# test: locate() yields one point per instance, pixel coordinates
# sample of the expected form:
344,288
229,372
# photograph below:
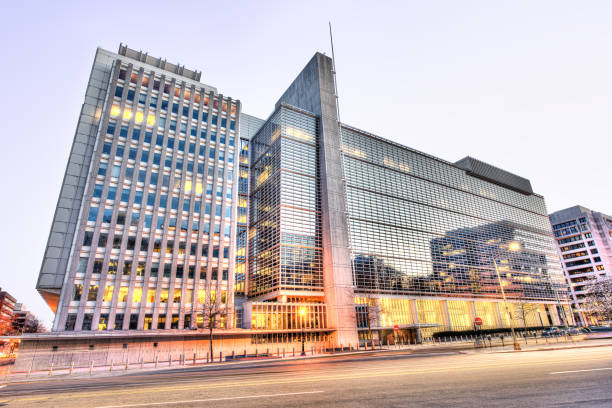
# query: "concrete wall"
313,90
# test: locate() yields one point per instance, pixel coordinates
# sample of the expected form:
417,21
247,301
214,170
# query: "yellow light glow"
188,186
150,120
127,114
115,111
514,246
139,117
297,133
302,311
199,188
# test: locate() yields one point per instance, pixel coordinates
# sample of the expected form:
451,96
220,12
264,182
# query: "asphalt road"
559,378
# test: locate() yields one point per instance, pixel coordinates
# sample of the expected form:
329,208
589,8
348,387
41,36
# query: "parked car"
552,332
574,331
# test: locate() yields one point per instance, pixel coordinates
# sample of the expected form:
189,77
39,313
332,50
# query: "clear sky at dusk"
523,85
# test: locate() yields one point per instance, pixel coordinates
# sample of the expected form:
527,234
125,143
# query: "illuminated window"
93,293
123,292
163,296
139,117
151,296
127,114
137,295
108,293
115,111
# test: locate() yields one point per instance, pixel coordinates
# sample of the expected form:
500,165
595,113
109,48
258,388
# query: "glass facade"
421,226
285,234
183,203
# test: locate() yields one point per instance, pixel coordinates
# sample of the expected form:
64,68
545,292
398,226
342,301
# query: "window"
108,293
123,292
93,293
93,214
127,267
87,238
97,267
102,169
119,91
116,171
137,197
125,195
77,291
97,192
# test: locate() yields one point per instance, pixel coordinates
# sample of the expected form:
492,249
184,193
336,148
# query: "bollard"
90,367
29,371
141,362
256,353
220,356
268,352
277,352
312,350
170,359
207,356
294,352
71,368
111,366
233,354
50,369
194,358
127,361
156,361
245,353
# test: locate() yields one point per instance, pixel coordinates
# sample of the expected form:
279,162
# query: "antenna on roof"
331,39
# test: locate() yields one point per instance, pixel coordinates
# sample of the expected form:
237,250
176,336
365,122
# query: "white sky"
523,85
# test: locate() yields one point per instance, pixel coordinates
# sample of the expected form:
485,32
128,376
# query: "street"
571,377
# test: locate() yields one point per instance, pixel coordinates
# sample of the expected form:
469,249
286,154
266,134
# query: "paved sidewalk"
428,348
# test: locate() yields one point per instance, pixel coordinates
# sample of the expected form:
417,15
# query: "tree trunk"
210,330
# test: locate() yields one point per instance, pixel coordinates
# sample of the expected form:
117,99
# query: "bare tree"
598,300
213,314
526,310
371,314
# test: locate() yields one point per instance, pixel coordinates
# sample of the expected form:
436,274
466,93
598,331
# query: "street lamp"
513,246
302,314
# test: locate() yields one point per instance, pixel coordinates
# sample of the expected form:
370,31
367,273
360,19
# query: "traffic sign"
478,321
396,328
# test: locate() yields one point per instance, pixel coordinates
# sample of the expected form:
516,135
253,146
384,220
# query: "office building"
583,239
296,225
7,309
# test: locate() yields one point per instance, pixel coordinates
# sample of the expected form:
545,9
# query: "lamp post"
302,314
513,246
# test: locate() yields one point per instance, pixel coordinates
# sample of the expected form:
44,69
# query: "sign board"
478,321
396,328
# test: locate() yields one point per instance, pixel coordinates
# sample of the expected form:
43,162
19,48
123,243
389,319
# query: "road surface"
557,378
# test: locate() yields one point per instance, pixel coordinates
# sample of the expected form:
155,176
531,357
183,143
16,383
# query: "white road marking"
582,371
211,399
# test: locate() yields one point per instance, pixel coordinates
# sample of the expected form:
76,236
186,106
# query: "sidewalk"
436,348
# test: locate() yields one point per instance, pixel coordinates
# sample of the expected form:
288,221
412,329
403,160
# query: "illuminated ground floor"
421,318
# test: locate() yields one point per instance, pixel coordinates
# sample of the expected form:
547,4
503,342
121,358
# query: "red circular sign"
478,321
396,327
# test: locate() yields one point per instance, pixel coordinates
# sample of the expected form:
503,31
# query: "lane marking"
582,371
273,380
212,399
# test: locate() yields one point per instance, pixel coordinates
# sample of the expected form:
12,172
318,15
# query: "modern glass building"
583,239
294,224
